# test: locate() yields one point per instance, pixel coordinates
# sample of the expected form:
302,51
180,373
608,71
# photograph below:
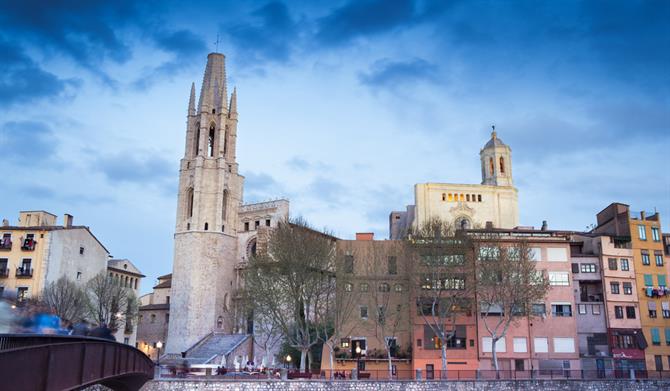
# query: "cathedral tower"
210,193
496,158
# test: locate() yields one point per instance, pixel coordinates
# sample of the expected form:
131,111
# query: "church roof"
494,141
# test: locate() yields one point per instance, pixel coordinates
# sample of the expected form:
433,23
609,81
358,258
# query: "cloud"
180,44
260,186
29,143
327,191
359,18
138,167
387,73
268,38
298,163
22,80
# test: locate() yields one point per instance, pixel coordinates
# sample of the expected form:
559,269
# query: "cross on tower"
216,50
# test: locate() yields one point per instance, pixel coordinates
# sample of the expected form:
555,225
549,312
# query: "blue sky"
343,107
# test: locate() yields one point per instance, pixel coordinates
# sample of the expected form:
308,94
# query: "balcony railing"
22,272
4,272
28,245
5,244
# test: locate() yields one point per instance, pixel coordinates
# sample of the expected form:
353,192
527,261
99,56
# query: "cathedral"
215,232
494,201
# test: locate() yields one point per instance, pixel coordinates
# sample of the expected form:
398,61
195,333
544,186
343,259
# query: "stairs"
214,345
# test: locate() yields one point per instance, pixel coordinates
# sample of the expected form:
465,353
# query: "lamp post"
358,361
159,345
288,361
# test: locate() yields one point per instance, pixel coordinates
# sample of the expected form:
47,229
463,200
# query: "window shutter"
661,280
575,268
667,335
655,336
648,281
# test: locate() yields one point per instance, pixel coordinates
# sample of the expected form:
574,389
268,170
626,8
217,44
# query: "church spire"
232,109
191,101
213,82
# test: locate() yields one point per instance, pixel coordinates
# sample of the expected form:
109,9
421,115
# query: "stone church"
215,232
493,201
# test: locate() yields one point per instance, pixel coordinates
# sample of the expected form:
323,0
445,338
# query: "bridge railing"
50,362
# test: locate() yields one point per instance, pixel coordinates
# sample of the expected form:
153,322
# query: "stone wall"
547,385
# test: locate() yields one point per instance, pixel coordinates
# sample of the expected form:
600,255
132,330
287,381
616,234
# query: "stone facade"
154,317
129,276
214,232
495,200
270,385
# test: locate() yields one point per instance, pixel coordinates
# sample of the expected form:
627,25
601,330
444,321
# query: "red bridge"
53,362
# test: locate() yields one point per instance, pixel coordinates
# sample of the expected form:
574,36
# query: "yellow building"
651,274
36,251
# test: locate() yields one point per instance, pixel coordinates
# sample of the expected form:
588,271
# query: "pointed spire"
212,82
232,110
191,101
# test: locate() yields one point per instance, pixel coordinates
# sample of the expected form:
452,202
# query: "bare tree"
508,284
442,279
110,302
66,299
290,281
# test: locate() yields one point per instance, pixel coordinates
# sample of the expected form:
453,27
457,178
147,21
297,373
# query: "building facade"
154,318
130,277
37,251
493,201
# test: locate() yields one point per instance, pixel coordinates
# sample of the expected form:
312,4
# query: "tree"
290,282
109,302
442,280
508,285
66,299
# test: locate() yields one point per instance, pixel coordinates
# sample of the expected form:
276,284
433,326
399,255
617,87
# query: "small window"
364,312
630,312
467,197
444,196
627,288
398,288
642,232
257,224
392,265
659,258
348,287
645,257
655,234
618,312
78,275
419,342
364,287
349,264
624,265
81,250
246,226
479,198
561,310
595,308
153,318
206,226
582,309
588,267
614,288
344,343
267,222
384,287
612,263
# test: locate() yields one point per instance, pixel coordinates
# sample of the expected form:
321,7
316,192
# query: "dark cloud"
30,143
267,36
22,80
387,73
180,44
359,18
137,167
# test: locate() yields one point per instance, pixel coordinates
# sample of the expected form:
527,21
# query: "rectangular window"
21,293
562,310
595,308
541,345
630,312
575,268
582,309
520,345
667,336
655,234
559,278
535,254
652,309
645,257
624,265
246,226
81,250
588,267
661,279
611,263
659,258
393,265
618,312
487,345
539,309
564,345
364,287
665,306
655,336
349,264
642,232
559,254
648,280
627,288
614,288
267,222
364,312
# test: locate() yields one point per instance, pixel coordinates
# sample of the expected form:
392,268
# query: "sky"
343,107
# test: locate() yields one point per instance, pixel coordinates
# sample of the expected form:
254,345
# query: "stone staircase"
213,346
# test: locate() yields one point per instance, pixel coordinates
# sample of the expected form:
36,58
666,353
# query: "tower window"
206,226
225,141
467,197
267,222
451,197
224,204
246,226
196,140
257,224
444,196
502,165
461,197
213,111
491,166
479,198
210,142
189,206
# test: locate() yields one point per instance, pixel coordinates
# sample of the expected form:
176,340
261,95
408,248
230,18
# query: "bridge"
33,362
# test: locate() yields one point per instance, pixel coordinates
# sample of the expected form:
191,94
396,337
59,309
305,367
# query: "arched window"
383,287
463,223
210,140
196,140
502,165
225,141
219,322
251,248
444,196
189,200
224,204
491,166
206,226
467,197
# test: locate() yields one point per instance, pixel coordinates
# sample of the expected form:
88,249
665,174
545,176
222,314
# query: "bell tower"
210,193
496,160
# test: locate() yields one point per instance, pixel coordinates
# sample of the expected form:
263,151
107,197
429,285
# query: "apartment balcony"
28,245
24,272
591,299
4,272
5,245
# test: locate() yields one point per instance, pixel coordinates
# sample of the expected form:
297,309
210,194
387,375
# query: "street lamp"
288,361
159,345
358,360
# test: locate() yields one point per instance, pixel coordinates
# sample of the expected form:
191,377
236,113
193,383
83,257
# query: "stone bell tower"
496,158
210,193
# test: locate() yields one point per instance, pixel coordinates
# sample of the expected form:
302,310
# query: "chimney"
544,225
67,220
642,215
365,236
